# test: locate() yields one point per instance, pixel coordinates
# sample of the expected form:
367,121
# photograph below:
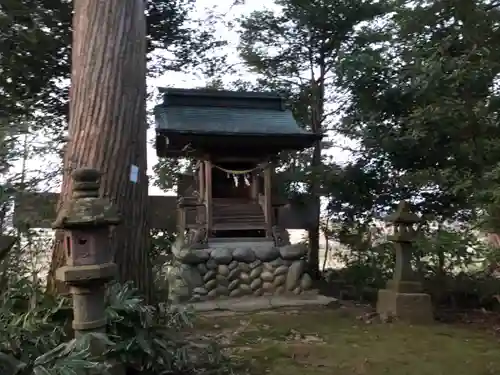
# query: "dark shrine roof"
226,120
225,112
190,113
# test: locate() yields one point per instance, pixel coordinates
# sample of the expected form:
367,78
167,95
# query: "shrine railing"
185,204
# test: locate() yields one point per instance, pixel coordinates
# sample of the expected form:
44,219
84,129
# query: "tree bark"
313,233
317,105
107,126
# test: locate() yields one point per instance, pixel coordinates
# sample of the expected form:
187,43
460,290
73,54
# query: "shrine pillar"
268,209
201,179
208,195
254,188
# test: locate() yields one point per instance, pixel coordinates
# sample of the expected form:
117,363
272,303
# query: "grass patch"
329,342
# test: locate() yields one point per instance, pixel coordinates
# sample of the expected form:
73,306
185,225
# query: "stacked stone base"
227,272
410,307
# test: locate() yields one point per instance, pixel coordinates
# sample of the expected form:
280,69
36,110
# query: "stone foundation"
224,270
410,307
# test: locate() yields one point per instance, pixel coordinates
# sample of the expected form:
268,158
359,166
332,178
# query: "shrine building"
227,213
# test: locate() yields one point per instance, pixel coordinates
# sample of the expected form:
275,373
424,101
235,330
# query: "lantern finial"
403,215
86,182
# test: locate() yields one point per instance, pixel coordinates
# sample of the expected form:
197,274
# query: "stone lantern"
403,296
86,220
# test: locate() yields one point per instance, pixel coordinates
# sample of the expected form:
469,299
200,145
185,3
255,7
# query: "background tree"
423,107
432,87
35,39
296,52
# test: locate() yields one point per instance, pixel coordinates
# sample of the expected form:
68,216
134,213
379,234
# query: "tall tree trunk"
317,105
107,127
313,234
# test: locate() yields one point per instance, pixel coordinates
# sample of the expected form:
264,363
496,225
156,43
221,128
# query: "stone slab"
203,306
246,304
249,304
318,300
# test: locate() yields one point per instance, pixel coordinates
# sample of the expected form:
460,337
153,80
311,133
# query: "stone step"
218,210
241,208
239,222
237,209
238,226
231,200
236,217
235,204
239,218
256,214
215,214
217,240
238,214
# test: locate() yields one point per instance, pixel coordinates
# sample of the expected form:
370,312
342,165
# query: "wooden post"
201,179
181,218
208,195
254,188
268,210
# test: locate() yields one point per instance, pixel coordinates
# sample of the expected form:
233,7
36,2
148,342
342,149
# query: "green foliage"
457,268
144,339
167,171
369,260
161,258
357,193
424,81
32,342
448,250
35,38
149,340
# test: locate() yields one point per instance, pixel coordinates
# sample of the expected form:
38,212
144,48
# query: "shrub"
145,339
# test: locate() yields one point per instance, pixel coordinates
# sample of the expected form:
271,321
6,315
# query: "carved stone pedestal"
410,307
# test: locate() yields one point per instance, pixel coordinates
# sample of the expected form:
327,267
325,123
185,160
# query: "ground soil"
351,339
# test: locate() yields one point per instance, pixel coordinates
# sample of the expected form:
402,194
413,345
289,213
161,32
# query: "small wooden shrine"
234,137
